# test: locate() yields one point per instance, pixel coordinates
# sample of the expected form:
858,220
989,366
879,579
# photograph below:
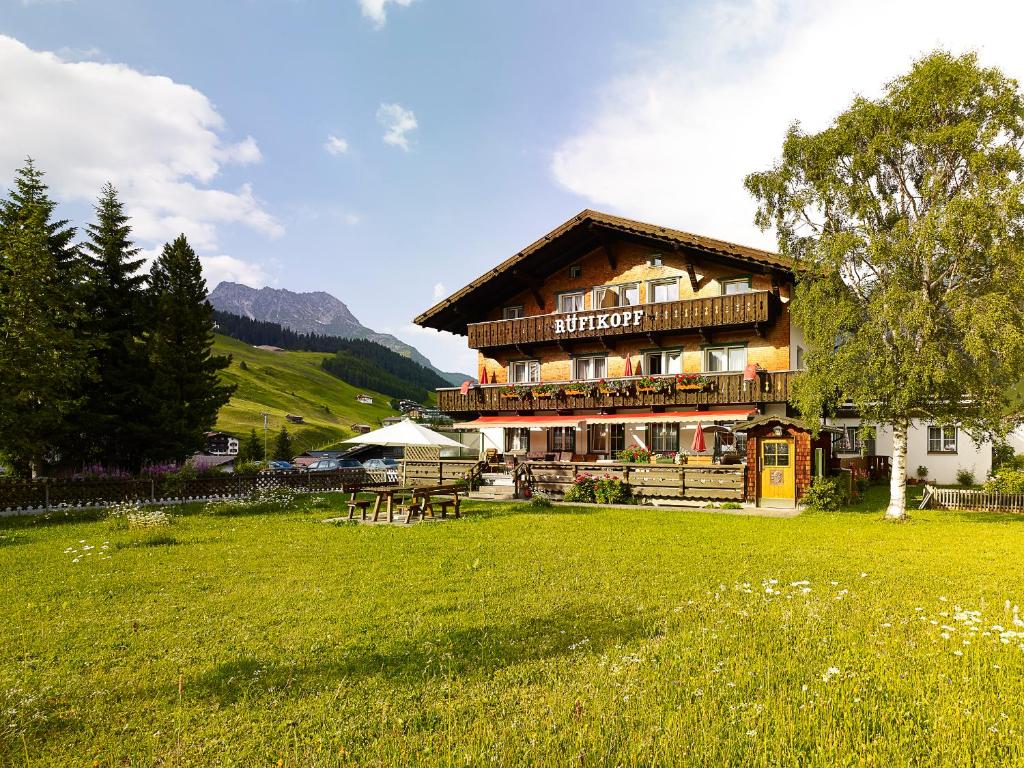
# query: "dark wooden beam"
653,340
705,335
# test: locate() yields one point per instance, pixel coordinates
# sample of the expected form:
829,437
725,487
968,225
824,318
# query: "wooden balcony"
724,389
751,310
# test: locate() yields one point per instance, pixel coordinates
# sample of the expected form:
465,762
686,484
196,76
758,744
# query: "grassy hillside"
292,382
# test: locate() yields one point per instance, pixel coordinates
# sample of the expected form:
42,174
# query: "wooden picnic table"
410,499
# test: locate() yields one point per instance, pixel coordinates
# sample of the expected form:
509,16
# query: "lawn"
513,637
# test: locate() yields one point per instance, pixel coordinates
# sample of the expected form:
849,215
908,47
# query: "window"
511,313
524,371
562,439
663,437
655,260
575,270
663,290
571,302
738,285
776,453
717,359
617,439
664,362
617,295
848,442
517,439
590,367
598,437
941,439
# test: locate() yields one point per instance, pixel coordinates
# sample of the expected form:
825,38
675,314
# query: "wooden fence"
962,498
647,481
442,472
17,496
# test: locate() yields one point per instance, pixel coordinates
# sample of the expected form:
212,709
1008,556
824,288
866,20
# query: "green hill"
292,382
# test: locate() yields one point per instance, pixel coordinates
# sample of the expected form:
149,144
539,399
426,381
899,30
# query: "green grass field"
292,382
513,637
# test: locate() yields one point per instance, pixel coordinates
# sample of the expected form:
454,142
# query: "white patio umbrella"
404,434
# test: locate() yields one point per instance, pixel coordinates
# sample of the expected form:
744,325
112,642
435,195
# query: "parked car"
280,466
329,465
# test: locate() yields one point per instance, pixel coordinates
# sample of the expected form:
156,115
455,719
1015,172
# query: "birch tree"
904,222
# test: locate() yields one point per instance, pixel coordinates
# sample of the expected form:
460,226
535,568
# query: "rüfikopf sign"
603,321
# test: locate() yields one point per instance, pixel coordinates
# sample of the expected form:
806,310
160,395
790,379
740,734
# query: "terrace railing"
647,481
721,389
964,498
731,311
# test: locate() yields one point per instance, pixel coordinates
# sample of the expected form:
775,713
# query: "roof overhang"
570,241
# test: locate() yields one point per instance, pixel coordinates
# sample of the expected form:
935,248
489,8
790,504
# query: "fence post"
46,490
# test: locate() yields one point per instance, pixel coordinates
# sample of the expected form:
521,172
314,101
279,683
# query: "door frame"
785,502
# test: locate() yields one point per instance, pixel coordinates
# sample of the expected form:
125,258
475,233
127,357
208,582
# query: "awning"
678,417
512,422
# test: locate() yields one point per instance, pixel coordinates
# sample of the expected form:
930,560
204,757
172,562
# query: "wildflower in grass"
958,653
829,674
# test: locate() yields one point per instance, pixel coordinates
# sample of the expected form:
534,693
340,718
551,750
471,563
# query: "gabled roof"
571,240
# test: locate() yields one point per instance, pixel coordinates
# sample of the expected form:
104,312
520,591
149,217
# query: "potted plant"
547,390
521,391
635,455
578,389
614,388
692,382
655,384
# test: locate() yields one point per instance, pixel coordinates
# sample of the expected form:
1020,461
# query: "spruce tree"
283,446
44,361
120,406
252,448
186,384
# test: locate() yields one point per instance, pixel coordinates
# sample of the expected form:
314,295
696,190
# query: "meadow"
258,635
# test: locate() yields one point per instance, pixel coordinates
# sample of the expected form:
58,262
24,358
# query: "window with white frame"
517,439
941,439
663,290
663,362
524,371
737,285
562,439
594,367
725,358
663,437
627,295
598,437
511,313
571,302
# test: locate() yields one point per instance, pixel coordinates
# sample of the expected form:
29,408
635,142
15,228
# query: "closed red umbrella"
629,365
698,440
483,375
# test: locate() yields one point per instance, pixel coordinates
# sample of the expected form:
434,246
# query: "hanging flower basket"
516,391
577,389
614,388
546,390
655,384
692,382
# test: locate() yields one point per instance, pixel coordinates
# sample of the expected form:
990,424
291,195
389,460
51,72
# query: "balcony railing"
718,389
732,311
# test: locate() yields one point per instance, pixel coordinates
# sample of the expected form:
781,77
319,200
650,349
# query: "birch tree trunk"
897,509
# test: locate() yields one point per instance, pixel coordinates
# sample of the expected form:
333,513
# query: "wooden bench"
424,502
362,506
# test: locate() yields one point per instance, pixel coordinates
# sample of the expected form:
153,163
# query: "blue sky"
215,119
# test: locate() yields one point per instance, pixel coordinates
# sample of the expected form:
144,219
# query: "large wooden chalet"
608,333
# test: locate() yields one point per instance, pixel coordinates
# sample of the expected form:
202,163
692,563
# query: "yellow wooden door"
777,477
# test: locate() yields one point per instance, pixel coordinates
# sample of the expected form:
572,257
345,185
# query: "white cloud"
445,350
376,10
335,145
161,143
219,268
673,139
397,122
439,291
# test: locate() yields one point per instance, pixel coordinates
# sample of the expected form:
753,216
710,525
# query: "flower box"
690,387
646,389
543,395
576,392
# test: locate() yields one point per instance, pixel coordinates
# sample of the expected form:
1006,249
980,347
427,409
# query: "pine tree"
120,406
252,448
283,446
186,381
44,361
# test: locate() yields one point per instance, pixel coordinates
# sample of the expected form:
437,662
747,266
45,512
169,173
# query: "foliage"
922,472
692,379
686,613
44,357
523,391
657,383
615,387
550,389
905,218
251,467
634,454
1006,481
965,477
578,389
251,448
581,490
540,500
1003,455
826,494
611,490
283,449
119,411
730,505
186,386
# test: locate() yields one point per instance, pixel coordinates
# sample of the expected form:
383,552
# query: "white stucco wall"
796,339
942,467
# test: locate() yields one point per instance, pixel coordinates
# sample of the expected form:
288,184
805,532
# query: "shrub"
922,471
611,490
964,477
540,500
1007,481
825,495
250,467
731,505
581,490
